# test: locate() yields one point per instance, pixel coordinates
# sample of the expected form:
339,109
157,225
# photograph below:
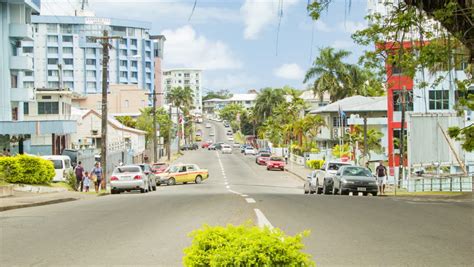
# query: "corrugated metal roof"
355,104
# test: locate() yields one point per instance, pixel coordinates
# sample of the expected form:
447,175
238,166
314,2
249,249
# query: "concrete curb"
38,189
295,174
49,202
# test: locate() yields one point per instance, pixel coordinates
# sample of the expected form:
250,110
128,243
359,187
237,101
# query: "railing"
440,184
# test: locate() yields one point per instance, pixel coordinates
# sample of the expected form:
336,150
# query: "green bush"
71,180
26,169
315,163
245,245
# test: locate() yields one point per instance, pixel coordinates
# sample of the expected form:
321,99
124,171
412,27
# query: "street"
151,229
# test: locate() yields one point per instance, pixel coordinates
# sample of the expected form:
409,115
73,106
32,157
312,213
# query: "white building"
245,100
191,78
67,56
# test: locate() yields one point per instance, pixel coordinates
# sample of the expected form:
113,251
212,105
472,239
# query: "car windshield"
126,169
265,155
276,159
356,171
58,164
173,168
335,166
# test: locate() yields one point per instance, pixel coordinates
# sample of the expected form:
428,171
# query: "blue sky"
235,41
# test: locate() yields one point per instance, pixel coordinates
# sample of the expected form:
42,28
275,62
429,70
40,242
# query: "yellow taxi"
182,173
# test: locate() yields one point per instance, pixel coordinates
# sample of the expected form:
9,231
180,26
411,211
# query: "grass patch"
3,183
60,185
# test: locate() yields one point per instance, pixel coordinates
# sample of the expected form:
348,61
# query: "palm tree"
182,99
267,100
330,73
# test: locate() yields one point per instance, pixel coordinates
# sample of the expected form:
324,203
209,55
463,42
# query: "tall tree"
267,100
182,98
144,122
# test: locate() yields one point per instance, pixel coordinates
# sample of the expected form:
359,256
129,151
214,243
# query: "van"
62,165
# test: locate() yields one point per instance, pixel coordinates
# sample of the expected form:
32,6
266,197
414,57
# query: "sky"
235,41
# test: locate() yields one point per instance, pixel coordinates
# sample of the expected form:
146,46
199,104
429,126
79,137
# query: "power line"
192,11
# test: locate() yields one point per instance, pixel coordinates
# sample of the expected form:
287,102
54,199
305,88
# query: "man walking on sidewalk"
381,173
79,171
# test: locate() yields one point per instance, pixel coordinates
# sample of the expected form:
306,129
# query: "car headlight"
344,181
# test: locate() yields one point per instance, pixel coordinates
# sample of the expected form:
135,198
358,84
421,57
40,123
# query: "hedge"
25,169
315,163
245,245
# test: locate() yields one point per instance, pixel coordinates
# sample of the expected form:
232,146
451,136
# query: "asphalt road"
151,229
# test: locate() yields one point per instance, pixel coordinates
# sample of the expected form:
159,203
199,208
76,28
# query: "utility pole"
169,134
402,136
104,41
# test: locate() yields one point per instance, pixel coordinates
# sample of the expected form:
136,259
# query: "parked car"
208,125
249,150
236,145
211,147
229,132
242,148
310,185
159,167
354,179
73,155
276,163
211,133
62,165
183,173
205,145
147,170
323,177
230,138
262,158
226,149
127,178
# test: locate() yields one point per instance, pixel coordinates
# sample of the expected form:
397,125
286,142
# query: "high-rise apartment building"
66,55
191,78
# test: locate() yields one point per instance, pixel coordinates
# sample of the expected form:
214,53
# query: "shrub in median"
315,163
26,169
245,245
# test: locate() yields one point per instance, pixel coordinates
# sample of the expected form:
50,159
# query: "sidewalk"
30,199
297,170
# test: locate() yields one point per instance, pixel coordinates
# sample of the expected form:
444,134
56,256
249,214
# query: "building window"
68,50
148,75
179,74
68,73
52,61
27,49
67,39
90,40
90,51
123,41
28,73
179,81
28,84
52,28
52,50
91,73
69,85
90,62
186,81
148,65
52,39
336,121
397,100
53,73
134,64
133,42
48,108
439,99
396,138
26,108
135,75
123,63
131,32
186,75
123,52
53,84
197,75
90,85
66,28
126,104
68,61
123,74
14,80
197,81
134,52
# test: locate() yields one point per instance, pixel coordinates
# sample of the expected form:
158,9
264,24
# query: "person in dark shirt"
79,171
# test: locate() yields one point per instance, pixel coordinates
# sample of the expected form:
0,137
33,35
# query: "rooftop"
355,104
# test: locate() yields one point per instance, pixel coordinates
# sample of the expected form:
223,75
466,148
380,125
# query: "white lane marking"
250,200
243,195
262,221
234,192
226,183
227,186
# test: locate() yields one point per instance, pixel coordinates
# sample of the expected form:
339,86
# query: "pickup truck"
320,181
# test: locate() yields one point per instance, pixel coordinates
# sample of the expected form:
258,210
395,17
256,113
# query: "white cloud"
352,26
290,71
342,44
321,26
144,10
258,14
185,48
239,82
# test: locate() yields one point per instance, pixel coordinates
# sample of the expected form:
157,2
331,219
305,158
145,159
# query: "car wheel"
374,194
142,190
154,188
198,179
171,181
305,190
268,169
364,194
113,192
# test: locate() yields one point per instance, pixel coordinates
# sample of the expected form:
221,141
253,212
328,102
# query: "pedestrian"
286,157
381,173
96,174
79,171
367,165
86,182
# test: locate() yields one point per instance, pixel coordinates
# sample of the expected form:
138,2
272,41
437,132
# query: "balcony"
22,94
21,31
21,63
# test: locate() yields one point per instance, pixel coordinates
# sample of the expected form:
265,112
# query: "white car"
236,145
208,125
230,138
211,134
62,165
250,151
226,149
127,178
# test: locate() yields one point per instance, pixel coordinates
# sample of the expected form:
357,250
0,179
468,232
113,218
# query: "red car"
205,145
276,163
262,158
158,167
